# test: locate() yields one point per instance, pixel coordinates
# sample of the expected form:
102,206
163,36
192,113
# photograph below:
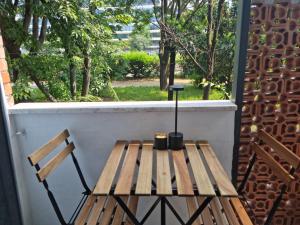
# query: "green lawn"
146,94
154,94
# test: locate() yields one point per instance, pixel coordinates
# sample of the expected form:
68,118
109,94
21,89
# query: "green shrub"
37,96
138,63
22,90
119,67
197,79
188,68
59,89
97,85
109,93
141,64
102,88
89,98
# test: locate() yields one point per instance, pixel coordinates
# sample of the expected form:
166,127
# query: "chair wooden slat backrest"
284,154
44,171
54,162
280,149
276,167
46,149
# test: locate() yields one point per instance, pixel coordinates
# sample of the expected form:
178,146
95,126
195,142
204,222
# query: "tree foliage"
195,40
197,29
60,42
65,48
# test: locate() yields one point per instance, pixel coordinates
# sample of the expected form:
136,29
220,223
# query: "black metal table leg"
131,216
199,211
127,210
173,210
164,202
194,216
150,210
163,211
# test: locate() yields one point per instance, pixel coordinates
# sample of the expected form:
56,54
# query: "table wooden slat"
206,216
109,208
96,211
240,210
127,172
183,179
119,214
84,213
203,182
106,179
144,179
229,212
164,186
192,207
133,204
222,180
218,213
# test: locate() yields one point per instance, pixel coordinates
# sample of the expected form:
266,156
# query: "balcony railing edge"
93,107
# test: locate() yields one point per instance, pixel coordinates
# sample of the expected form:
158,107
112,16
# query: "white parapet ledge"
94,107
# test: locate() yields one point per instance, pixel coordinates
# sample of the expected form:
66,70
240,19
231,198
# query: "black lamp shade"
176,138
176,87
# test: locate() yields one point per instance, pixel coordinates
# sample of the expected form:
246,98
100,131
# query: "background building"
126,31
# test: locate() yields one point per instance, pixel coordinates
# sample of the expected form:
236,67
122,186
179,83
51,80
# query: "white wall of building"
94,128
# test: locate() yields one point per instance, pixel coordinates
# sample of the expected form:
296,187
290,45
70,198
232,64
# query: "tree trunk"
86,75
206,91
43,31
72,75
27,16
208,77
212,34
14,55
35,27
172,71
163,50
42,88
164,59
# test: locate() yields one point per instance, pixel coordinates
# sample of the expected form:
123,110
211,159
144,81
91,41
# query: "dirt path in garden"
146,82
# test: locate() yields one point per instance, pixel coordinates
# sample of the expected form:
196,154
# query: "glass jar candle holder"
161,141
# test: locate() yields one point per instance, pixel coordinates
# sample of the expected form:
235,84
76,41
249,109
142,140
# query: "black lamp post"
176,138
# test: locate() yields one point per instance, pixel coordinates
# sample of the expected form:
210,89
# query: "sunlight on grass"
146,94
155,94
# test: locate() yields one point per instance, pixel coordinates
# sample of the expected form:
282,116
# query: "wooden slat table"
137,169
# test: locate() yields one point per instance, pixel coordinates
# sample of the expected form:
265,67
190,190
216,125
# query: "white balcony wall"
94,128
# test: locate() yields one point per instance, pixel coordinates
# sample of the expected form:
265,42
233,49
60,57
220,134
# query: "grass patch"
145,94
155,94
37,96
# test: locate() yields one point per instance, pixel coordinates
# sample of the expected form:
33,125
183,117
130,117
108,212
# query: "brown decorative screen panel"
272,101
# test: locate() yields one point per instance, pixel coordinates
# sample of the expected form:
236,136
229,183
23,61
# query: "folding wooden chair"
91,209
232,211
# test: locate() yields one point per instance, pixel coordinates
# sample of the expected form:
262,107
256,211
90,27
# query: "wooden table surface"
136,168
